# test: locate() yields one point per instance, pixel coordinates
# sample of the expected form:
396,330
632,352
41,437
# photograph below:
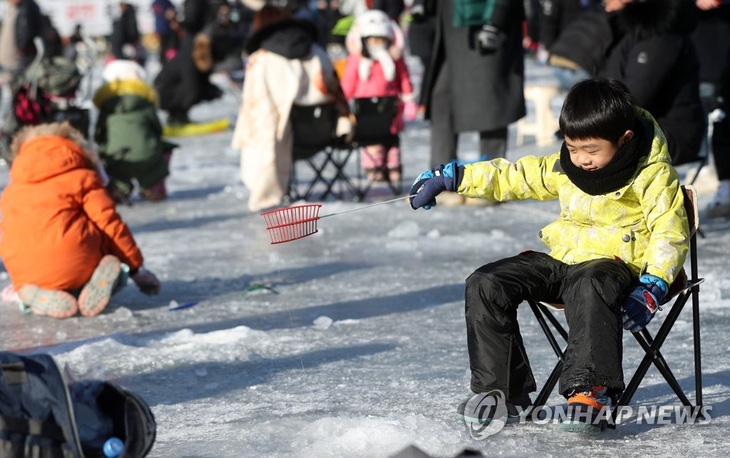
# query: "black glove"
643,301
433,182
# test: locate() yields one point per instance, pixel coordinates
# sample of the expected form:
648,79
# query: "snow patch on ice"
369,436
405,230
402,245
433,234
322,323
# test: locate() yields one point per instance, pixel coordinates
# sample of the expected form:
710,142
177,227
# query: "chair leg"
318,177
293,191
695,291
653,355
339,166
548,388
646,342
541,313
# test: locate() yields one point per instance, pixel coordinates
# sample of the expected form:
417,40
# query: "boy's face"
592,154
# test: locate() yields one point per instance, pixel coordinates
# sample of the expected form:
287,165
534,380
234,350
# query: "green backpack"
56,76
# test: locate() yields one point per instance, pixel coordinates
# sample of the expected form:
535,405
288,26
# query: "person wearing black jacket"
557,15
393,8
653,55
422,31
576,34
184,80
475,79
28,25
712,42
125,34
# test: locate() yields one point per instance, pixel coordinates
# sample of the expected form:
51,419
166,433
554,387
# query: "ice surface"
355,345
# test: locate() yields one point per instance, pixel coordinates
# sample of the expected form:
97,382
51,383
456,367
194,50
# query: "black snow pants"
592,291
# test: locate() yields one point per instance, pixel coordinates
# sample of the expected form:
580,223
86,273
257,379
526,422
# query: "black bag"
313,128
43,416
375,117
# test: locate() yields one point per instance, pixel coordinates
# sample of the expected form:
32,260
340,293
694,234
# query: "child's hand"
410,111
146,281
643,302
345,128
433,182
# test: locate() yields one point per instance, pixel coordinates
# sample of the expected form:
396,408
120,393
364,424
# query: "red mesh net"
292,223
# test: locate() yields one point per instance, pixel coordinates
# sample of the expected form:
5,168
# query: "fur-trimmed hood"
118,88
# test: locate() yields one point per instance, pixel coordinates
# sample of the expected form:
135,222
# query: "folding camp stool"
680,292
315,144
374,120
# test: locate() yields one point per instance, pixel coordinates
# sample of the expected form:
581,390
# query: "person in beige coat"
9,53
286,67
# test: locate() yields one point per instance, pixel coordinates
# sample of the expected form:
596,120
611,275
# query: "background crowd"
673,55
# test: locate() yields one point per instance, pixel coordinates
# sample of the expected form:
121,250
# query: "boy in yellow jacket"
620,240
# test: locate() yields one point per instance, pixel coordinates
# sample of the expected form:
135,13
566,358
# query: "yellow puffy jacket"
644,223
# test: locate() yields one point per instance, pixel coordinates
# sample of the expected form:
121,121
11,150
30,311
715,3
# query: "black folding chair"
315,144
375,116
680,292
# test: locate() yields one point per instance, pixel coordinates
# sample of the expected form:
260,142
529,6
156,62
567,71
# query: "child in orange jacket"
63,244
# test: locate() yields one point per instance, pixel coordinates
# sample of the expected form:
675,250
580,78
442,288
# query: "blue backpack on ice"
41,415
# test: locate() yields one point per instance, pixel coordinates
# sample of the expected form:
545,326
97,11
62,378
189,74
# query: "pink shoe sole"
97,292
53,303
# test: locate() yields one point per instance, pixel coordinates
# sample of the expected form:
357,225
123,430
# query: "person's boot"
46,302
96,293
156,192
482,408
586,412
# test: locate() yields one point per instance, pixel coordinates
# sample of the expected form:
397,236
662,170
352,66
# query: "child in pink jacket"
375,68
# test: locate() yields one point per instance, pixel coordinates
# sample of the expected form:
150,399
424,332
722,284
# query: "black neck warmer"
619,171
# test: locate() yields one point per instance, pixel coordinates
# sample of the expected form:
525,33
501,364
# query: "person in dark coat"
29,24
184,80
583,44
556,15
196,14
570,31
52,43
125,34
654,56
712,42
475,80
422,31
393,8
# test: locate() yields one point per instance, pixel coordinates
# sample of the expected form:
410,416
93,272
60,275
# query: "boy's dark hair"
597,108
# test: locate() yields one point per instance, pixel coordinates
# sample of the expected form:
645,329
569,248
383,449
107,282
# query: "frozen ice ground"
360,351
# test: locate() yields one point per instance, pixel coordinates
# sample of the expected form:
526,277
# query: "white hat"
121,69
375,23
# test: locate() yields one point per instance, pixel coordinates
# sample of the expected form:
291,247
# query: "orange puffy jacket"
57,218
